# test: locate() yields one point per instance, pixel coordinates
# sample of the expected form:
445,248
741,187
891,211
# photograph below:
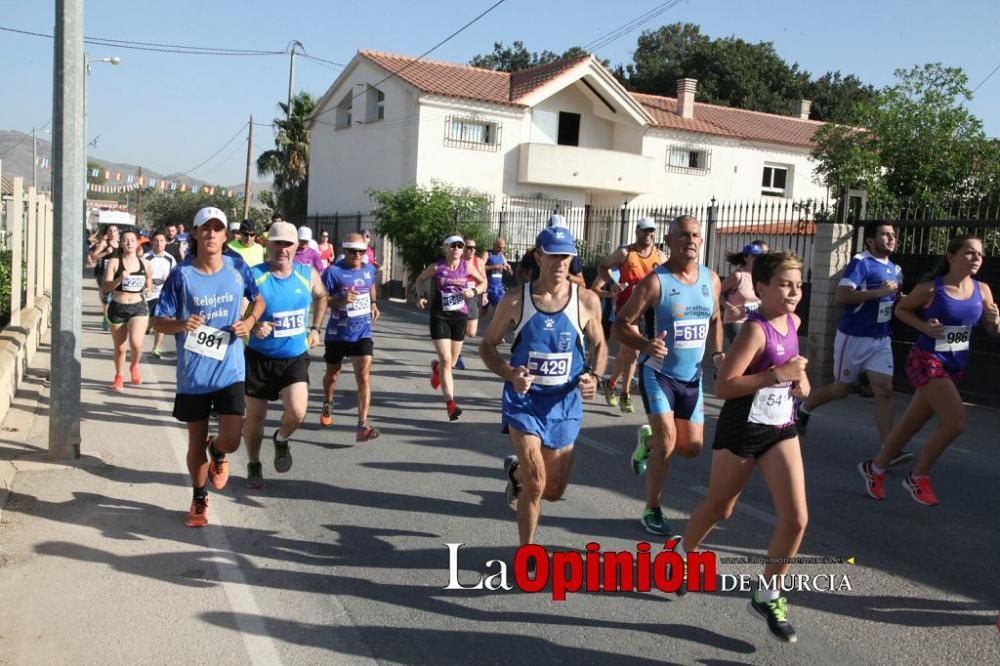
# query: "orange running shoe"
366,433
218,468
198,515
326,418
118,384
874,483
920,489
136,377
435,376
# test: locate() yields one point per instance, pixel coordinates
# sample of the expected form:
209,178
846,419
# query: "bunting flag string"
132,184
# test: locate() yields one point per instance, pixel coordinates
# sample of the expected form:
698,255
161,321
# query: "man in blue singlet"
547,376
685,297
350,284
496,267
277,356
199,305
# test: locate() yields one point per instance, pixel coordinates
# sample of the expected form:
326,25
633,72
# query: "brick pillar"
834,245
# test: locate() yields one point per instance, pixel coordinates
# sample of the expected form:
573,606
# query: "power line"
626,28
322,60
425,53
995,70
25,138
210,157
156,46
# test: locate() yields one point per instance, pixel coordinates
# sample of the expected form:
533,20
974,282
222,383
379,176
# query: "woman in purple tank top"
943,309
759,379
455,282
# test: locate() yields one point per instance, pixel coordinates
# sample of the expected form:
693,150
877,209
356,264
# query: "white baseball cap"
646,223
234,226
209,213
305,234
282,232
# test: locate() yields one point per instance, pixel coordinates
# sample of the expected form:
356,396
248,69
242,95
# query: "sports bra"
132,283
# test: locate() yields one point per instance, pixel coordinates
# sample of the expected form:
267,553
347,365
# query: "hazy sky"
170,112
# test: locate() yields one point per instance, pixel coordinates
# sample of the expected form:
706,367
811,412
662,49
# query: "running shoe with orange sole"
136,377
325,417
198,514
118,384
366,433
218,468
435,376
920,489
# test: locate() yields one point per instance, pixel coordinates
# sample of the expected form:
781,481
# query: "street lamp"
111,60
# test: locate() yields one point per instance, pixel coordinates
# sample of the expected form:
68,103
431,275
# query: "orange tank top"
634,269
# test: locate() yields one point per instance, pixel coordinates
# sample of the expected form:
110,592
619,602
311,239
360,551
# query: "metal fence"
923,233
729,226
26,253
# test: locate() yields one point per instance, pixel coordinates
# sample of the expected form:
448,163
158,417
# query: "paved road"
342,560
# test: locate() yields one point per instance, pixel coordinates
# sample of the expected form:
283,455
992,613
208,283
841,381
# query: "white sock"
762,595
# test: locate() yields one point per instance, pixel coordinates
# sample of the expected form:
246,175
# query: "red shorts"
923,366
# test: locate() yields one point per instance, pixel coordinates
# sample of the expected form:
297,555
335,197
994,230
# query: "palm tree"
289,161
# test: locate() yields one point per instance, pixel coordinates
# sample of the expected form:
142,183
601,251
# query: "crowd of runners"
245,315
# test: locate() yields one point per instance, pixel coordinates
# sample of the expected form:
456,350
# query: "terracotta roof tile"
445,78
787,227
525,81
664,113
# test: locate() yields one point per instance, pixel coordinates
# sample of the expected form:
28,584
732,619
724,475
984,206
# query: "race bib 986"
955,339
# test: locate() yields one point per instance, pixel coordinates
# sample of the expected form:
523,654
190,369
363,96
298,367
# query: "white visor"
355,245
454,239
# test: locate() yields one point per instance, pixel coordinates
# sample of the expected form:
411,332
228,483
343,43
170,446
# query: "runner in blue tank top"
546,377
759,379
452,276
944,309
685,297
350,283
277,356
199,305
496,267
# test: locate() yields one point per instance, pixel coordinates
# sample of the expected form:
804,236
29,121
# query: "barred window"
471,133
684,159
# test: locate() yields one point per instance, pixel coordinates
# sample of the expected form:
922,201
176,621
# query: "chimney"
805,106
685,97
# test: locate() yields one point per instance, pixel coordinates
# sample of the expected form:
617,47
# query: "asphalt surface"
342,560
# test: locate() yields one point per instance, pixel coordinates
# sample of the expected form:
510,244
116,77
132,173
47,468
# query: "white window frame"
344,111
472,133
679,160
771,190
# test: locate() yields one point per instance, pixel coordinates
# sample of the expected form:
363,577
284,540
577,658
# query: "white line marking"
960,449
742,507
246,612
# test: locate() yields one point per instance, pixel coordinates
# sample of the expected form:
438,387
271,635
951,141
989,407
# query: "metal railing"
25,249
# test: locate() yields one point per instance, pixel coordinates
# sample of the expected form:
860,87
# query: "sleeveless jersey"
132,283
352,322
210,358
742,296
494,272
773,405
287,301
549,344
683,312
633,270
958,317
449,283
871,318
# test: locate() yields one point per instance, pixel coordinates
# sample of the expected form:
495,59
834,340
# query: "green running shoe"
774,613
641,453
610,396
652,520
626,404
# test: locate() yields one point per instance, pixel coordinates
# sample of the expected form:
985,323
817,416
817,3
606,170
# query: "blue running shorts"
662,394
554,417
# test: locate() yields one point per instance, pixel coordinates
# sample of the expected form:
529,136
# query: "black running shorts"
338,350
448,328
120,313
735,433
194,407
266,376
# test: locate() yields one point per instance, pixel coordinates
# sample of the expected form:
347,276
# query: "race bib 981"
207,341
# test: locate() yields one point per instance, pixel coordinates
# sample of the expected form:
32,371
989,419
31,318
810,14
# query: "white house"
566,132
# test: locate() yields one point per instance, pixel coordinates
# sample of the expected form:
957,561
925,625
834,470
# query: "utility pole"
291,75
246,179
69,154
138,200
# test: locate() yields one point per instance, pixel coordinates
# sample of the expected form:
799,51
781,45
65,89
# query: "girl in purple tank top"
454,282
944,310
759,378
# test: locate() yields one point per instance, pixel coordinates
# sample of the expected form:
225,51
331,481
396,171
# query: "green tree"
515,57
921,144
289,161
835,98
417,219
99,179
160,207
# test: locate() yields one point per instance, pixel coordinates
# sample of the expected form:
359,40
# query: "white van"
100,218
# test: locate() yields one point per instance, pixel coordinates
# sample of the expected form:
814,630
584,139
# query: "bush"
5,286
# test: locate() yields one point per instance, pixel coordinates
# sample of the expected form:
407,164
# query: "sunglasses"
350,251
470,247
457,246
